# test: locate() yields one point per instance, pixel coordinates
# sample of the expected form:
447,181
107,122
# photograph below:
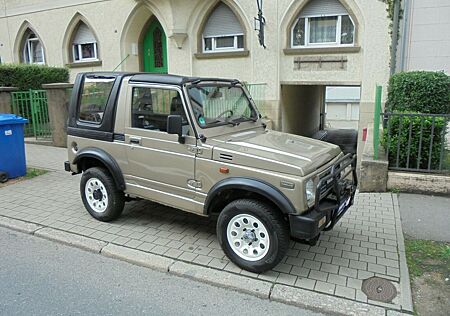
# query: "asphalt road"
425,216
40,277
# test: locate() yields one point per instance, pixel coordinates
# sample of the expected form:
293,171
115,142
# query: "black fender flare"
252,185
106,159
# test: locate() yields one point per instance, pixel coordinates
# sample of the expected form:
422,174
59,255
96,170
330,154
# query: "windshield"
215,105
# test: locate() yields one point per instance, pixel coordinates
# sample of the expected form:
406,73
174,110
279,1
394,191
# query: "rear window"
94,98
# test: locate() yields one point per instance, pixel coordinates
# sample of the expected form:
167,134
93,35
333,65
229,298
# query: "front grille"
327,185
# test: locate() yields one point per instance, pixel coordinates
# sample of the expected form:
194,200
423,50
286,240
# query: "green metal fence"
32,105
258,93
417,142
376,122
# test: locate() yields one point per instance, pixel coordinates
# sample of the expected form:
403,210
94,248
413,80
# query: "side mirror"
175,126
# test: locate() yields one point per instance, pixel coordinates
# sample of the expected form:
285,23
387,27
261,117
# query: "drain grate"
379,289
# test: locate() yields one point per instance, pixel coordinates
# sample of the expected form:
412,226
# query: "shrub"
27,77
416,124
419,91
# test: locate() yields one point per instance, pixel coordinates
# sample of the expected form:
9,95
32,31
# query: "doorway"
302,109
155,49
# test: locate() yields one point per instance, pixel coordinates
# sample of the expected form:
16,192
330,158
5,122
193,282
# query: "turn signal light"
224,170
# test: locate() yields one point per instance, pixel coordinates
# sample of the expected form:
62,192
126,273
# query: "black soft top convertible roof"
155,78
171,79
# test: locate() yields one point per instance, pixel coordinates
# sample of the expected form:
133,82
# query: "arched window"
222,31
323,23
84,44
32,49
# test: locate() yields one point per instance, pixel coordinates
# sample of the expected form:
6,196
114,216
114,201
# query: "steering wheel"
225,112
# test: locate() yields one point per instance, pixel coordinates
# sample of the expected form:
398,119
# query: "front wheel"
253,234
100,195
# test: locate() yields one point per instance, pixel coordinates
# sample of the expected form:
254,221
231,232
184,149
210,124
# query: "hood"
273,151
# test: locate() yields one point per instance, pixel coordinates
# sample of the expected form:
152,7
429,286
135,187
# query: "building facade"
310,44
424,42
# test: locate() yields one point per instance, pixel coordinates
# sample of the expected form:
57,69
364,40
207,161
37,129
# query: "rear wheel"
100,196
253,234
3,177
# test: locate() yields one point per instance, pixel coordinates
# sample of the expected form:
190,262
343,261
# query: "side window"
94,98
152,106
323,23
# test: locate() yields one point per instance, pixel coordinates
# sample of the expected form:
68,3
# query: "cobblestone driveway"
365,243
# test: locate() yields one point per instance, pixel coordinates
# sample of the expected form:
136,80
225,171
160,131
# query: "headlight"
310,192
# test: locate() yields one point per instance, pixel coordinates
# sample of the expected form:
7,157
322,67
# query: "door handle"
135,140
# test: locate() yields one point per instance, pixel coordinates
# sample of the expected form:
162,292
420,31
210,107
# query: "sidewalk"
367,242
425,217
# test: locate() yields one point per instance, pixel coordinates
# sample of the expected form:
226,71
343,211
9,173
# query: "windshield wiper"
243,119
220,121
231,122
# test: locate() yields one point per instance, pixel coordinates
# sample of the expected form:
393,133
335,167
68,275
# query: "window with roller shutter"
84,44
222,31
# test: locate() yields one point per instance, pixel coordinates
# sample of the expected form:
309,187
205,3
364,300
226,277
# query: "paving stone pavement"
367,242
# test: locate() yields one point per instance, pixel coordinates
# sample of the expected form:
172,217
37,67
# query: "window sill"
82,64
321,50
213,55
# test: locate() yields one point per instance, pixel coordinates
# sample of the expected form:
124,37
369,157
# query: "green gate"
32,105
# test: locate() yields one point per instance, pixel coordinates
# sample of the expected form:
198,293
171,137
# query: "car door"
159,168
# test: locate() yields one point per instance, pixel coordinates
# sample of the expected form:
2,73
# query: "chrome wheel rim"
248,237
96,195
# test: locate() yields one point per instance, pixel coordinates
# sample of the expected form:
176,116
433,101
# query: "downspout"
394,42
405,34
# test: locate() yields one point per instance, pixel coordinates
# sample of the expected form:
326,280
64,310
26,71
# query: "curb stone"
222,279
396,313
71,239
321,302
137,257
405,283
19,225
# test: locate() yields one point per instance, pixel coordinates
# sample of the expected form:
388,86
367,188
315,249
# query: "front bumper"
334,196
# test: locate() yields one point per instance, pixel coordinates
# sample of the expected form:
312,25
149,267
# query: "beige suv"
199,145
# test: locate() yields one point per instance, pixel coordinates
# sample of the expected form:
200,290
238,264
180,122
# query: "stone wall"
373,173
58,111
419,183
5,99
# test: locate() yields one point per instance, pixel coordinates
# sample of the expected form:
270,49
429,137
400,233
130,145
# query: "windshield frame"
208,83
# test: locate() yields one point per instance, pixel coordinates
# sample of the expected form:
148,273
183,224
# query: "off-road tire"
3,177
272,220
115,197
346,139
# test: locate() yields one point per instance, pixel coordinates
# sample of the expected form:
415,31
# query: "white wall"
342,115
427,44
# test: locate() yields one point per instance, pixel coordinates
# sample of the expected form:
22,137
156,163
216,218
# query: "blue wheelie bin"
12,147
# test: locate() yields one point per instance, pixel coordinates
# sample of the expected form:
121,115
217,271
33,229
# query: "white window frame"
80,55
336,43
28,47
215,49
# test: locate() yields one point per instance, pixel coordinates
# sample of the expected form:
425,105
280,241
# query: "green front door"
155,49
